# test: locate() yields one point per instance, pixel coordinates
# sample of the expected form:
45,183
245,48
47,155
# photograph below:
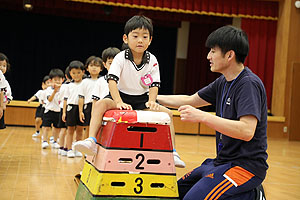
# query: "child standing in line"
61,124
6,95
52,108
94,65
133,80
70,110
101,87
40,95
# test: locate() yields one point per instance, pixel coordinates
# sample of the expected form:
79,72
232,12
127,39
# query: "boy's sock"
95,140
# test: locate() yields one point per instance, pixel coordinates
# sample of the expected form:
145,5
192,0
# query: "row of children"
132,82
5,90
66,101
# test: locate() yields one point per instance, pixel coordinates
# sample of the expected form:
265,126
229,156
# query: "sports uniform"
86,91
52,109
240,166
134,80
71,94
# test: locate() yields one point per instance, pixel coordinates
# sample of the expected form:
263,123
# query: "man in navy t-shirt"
240,123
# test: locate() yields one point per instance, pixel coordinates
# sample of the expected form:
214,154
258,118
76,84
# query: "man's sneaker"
36,134
63,152
177,161
45,145
55,145
70,154
77,154
87,146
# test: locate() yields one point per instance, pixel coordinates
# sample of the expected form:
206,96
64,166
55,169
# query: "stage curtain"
262,39
224,8
198,69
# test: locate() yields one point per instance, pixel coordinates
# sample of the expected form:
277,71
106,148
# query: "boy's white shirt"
130,77
7,92
101,88
54,104
2,80
72,93
86,89
61,96
40,95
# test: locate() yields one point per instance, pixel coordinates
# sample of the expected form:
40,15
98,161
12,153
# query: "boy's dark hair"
67,73
230,38
75,64
109,53
138,21
94,60
56,73
46,78
4,57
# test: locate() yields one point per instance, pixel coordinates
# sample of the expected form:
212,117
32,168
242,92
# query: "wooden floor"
28,172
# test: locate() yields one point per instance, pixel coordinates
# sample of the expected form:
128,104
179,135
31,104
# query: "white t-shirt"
62,91
101,89
86,89
54,104
72,93
2,81
40,95
129,76
7,92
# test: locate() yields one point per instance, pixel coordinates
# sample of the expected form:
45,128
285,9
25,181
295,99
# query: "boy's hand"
152,105
124,106
81,117
63,117
56,87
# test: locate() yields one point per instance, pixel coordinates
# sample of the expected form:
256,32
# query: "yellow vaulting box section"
128,184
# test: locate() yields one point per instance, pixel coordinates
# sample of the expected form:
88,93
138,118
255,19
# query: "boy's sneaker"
87,146
55,145
51,139
36,134
77,154
45,145
177,161
70,154
63,152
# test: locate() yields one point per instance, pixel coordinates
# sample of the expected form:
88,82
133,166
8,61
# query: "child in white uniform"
40,95
133,80
70,110
52,109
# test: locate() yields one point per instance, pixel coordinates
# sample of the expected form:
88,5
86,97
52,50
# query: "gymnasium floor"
28,172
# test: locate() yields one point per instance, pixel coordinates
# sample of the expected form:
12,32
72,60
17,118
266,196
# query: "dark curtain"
37,43
262,41
198,69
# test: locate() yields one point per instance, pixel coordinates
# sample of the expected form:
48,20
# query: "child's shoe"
45,145
177,161
87,146
63,152
36,134
70,154
55,145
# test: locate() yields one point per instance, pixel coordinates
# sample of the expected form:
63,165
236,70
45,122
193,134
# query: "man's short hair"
230,38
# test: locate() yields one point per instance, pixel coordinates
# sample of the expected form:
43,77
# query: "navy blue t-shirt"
243,96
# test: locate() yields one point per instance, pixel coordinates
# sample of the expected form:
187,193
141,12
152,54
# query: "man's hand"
190,114
152,105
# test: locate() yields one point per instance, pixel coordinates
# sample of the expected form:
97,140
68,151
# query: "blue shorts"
218,182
